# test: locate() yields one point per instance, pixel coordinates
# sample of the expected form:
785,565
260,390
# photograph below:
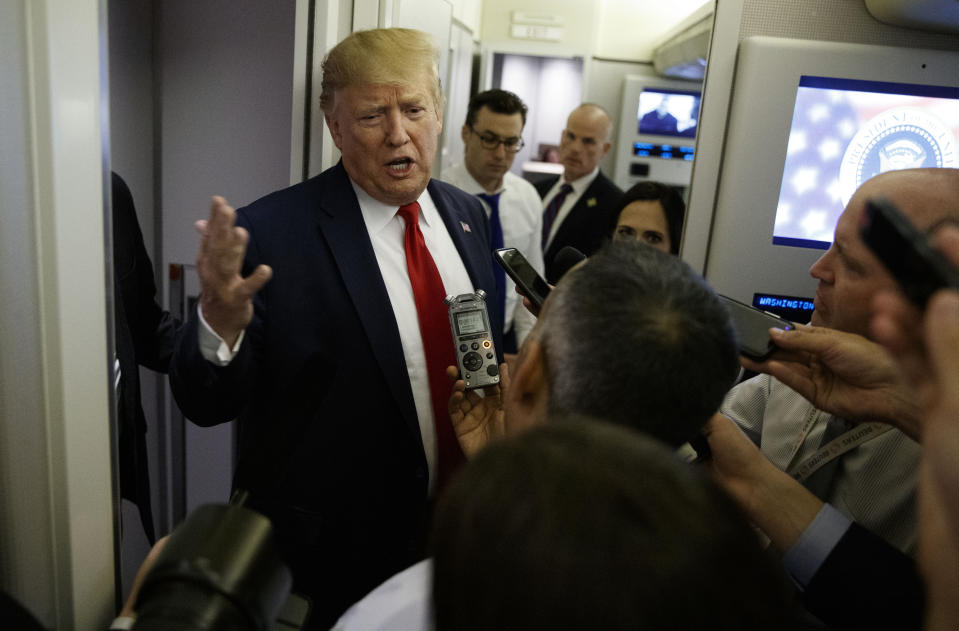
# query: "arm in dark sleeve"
866,583
208,394
152,328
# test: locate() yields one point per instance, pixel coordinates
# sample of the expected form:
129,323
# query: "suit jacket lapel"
341,225
457,222
473,246
570,224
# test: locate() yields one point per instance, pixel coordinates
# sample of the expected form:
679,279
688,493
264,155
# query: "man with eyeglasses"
491,139
578,205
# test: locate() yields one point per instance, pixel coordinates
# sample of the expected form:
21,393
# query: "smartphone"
526,278
473,339
752,328
920,269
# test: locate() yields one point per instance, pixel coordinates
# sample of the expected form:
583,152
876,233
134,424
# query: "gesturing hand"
226,298
477,419
843,374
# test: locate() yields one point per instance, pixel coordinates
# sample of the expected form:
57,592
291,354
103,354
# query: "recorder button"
492,370
464,348
472,361
475,346
489,355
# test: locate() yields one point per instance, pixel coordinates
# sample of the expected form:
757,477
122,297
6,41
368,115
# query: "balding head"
925,196
585,140
849,274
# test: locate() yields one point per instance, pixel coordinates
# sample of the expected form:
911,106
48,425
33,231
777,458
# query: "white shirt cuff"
213,348
816,543
122,623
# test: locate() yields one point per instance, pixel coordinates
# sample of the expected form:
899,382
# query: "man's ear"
528,385
335,131
465,132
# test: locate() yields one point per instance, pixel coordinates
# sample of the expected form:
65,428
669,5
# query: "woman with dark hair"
652,213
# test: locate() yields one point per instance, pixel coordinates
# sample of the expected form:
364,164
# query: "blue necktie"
552,209
496,240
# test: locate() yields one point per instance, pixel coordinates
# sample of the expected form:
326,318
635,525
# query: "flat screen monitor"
665,112
800,110
659,143
845,131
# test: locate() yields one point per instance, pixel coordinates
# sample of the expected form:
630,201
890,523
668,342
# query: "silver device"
473,339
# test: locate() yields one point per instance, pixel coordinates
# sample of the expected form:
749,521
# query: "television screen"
846,131
668,112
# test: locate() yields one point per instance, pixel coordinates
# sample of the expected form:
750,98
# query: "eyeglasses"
491,141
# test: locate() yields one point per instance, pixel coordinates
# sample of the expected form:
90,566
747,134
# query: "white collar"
377,215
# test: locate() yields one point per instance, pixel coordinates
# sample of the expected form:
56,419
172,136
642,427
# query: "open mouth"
401,166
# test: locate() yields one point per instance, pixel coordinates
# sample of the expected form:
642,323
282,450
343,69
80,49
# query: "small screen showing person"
664,113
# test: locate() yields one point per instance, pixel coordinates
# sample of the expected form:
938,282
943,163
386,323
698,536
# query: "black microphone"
564,260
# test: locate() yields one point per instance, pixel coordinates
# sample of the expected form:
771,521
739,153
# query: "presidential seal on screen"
899,138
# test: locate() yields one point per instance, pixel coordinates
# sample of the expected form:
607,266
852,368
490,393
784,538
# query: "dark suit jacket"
144,337
330,445
866,583
586,226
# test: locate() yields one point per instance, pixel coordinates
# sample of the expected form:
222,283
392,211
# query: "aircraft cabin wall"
597,46
726,206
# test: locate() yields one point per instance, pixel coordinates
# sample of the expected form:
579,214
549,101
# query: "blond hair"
384,56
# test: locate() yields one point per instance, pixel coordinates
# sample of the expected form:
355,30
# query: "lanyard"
837,447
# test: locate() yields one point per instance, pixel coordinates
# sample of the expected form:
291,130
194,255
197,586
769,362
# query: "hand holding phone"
920,269
526,278
752,328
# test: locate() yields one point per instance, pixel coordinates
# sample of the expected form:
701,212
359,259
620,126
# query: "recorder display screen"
469,322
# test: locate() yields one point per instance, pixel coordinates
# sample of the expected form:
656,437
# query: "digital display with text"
468,322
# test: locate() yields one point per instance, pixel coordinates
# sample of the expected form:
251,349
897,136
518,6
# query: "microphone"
564,260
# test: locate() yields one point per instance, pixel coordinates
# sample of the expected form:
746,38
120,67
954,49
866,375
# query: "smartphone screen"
752,327
526,278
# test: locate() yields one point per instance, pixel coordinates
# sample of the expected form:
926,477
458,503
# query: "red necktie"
433,315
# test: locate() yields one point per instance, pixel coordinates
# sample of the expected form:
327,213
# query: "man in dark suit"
144,337
576,206
336,368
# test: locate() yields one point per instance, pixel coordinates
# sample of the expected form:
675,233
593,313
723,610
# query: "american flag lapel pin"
591,202
466,226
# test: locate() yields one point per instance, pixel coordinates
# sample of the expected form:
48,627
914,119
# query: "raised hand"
843,374
900,327
927,347
477,419
226,299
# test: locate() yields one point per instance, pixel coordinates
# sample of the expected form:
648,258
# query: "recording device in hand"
220,569
920,269
473,339
526,278
752,328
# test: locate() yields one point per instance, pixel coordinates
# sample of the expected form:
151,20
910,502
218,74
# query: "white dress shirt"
579,187
402,603
386,230
873,484
521,216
